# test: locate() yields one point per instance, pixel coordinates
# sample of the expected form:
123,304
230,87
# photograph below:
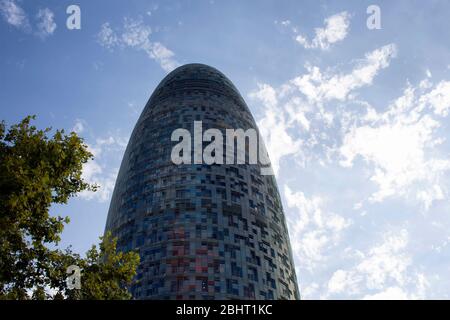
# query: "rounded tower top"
193,71
196,76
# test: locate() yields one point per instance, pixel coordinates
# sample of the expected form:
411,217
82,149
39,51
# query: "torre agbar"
203,231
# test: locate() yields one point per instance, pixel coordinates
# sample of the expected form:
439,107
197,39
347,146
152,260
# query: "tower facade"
203,231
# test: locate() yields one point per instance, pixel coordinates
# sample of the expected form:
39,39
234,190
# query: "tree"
106,273
37,171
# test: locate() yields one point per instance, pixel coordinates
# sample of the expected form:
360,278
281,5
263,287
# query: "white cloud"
102,170
135,34
391,293
300,120
318,87
342,281
105,188
163,56
438,99
335,30
94,173
46,25
284,23
375,165
386,261
386,271
152,9
279,143
107,37
299,105
312,228
273,127
266,94
13,14
310,290
79,126
401,145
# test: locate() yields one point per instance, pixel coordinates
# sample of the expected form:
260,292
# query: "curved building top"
196,76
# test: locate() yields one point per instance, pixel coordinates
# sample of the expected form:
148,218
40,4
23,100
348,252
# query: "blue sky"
355,120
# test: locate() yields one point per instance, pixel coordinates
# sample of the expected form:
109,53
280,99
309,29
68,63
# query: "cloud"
318,86
273,127
401,145
386,261
340,282
79,126
335,30
103,169
360,168
152,9
386,271
107,37
136,35
295,113
283,23
163,56
391,293
13,14
46,25
94,173
266,94
312,228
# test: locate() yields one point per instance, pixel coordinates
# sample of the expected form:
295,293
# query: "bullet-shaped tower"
203,231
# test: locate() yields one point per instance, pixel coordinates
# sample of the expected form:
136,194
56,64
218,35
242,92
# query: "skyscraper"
203,231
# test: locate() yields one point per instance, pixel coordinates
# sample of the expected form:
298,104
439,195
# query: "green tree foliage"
37,171
106,273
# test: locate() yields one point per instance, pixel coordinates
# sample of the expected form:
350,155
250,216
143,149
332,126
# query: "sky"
355,118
